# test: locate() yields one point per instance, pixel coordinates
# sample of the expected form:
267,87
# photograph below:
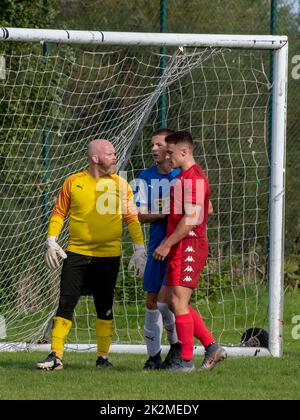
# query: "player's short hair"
162,132
181,137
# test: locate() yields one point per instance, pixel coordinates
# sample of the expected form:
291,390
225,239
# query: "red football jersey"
192,187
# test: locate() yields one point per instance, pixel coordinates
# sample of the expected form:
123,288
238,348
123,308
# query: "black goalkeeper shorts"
83,275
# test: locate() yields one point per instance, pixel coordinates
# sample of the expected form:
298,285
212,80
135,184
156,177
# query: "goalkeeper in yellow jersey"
97,201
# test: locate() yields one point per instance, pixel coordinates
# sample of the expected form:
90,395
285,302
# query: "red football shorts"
186,261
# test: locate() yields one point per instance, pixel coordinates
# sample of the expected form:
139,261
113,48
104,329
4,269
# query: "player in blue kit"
153,198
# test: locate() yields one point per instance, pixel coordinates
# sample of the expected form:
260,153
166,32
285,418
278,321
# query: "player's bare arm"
210,208
146,217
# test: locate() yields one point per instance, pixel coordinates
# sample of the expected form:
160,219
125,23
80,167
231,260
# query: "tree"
28,14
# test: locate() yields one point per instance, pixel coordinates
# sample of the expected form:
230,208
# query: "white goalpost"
60,89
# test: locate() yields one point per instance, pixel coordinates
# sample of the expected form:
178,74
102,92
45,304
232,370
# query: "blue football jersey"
153,191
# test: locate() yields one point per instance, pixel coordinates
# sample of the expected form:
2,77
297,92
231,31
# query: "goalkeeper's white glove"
138,260
52,250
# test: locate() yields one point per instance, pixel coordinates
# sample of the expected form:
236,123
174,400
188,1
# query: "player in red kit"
186,247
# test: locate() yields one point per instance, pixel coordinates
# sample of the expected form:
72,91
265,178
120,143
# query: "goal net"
56,99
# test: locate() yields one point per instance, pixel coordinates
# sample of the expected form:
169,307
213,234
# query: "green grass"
245,378
237,378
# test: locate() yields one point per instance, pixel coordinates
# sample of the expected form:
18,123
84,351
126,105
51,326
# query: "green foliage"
23,131
28,14
212,285
292,272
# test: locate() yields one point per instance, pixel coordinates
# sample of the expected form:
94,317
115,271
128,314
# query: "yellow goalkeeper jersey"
96,208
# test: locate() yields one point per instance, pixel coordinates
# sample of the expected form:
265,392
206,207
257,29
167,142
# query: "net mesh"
52,106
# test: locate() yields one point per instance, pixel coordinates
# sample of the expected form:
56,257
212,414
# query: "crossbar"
141,38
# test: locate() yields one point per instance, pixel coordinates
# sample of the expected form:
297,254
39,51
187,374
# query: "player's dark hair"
163,132
181,137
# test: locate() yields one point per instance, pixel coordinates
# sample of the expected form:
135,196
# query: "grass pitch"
237,378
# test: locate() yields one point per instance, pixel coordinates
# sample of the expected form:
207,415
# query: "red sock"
185,332
200,330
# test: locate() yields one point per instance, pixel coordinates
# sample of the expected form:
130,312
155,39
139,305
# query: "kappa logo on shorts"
189,249
189,259
189,269
188,279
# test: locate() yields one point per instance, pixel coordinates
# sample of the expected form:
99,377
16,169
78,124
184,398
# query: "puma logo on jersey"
189,249
189,269
189,259
188,279
80,186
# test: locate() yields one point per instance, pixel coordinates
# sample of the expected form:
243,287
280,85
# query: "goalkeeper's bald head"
102,156
99,146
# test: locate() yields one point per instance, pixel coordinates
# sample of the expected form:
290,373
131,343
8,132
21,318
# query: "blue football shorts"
155,275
